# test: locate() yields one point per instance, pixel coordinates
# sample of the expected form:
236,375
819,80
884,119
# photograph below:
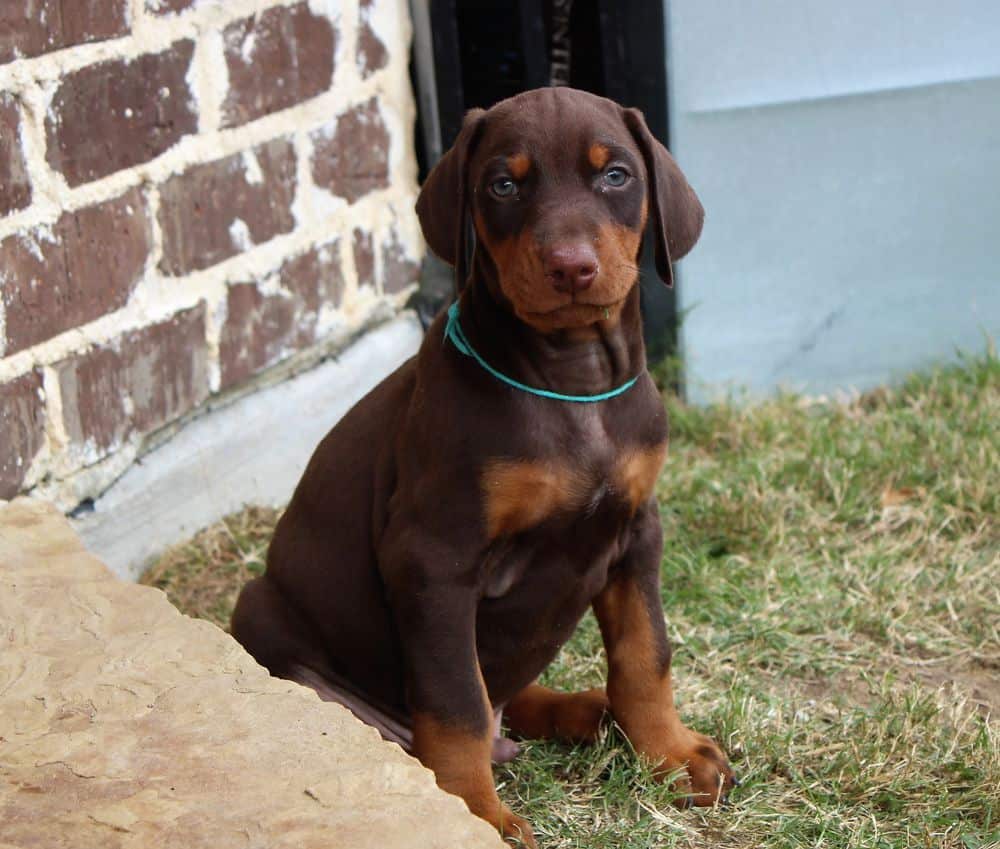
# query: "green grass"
831,581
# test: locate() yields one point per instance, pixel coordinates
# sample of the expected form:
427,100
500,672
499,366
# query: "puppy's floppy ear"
677,212
442,202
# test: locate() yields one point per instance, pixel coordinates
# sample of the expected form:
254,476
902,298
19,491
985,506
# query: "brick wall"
191,192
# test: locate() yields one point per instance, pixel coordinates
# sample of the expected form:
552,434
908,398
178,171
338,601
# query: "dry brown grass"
203,576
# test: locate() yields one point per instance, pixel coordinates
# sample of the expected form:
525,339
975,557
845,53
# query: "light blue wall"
848,157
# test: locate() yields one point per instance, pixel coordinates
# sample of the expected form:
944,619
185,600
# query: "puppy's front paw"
708,777
515,829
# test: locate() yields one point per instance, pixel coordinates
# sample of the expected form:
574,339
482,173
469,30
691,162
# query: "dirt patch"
972,680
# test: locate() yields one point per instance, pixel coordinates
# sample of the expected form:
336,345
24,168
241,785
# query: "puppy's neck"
587,360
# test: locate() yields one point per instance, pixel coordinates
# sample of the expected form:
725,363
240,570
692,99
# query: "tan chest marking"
523,494
637,471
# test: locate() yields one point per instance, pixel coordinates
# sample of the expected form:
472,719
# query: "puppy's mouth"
538,304
577,305
572,314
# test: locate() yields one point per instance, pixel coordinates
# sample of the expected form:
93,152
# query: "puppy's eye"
616,177
505,187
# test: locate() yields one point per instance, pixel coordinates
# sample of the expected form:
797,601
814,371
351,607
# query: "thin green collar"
453,331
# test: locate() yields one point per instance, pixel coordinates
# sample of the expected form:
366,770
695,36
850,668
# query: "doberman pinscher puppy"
454,526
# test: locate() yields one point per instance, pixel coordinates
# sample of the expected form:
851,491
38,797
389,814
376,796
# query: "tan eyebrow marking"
519,165
598,155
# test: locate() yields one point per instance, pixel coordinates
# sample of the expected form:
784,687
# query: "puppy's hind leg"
268,627
543,714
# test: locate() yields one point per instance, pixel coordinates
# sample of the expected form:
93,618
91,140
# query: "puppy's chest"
521,495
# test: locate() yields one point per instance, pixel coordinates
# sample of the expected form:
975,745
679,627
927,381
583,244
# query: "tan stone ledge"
124,723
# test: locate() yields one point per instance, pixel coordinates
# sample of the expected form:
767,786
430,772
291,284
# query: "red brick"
33,27
364,258
142,381
168,7
22,429
117,114
82,267
315,276
276,59
15,188
200,209
351,156
398,270
260,329
371,53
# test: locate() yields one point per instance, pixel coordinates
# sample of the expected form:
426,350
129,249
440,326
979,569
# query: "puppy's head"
559,185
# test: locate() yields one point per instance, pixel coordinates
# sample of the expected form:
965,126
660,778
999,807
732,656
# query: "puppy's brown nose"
571,268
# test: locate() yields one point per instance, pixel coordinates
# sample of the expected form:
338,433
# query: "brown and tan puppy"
451,530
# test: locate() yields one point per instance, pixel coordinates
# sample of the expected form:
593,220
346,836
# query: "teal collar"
453,331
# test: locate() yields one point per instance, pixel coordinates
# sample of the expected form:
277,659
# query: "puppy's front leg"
640,691
451,711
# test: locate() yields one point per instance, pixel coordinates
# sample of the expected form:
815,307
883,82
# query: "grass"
831,580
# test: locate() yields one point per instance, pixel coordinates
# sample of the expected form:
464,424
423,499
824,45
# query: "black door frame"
633,72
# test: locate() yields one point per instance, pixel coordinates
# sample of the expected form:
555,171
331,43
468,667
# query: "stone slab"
125,724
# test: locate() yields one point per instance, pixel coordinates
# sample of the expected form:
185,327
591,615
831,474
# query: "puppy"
452,529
